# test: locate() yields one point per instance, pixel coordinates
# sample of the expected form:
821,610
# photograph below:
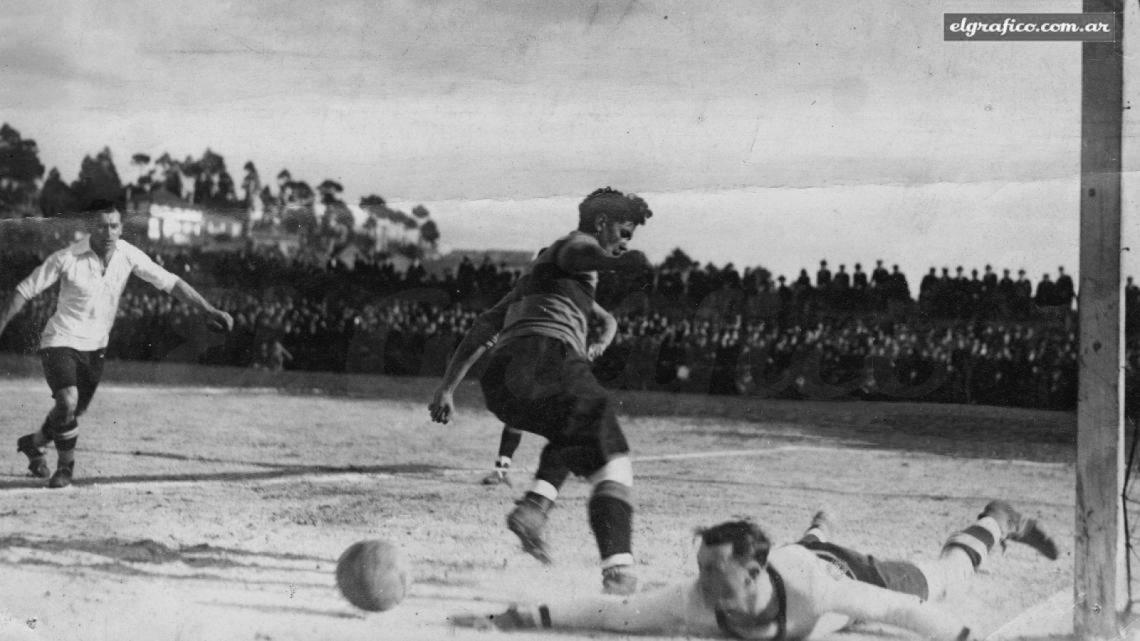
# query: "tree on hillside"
330,187
145,175
213,185
419,211
98,179
56,197
678,259
250,184
170,175
203,183
225,192
300,193
284,179
337,220
20,169
212,163
298,215
429,234
376,208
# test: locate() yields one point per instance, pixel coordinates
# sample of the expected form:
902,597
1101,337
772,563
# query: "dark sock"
611,518
65,447
508,443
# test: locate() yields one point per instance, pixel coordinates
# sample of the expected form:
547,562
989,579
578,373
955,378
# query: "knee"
616,473
66,403
594,406
67,442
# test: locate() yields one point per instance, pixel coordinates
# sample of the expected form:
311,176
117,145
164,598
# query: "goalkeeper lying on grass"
748,590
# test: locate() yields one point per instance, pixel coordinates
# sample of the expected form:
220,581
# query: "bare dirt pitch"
210,513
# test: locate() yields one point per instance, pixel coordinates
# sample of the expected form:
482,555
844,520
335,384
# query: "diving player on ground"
746,589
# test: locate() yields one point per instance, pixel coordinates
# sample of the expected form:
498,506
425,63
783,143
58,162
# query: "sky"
761,133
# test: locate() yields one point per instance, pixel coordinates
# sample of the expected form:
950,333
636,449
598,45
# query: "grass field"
219,513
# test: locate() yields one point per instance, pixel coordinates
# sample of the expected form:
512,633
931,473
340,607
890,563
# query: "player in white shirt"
92,274
747,589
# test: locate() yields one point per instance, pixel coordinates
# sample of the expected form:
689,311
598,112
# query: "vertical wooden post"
1098,578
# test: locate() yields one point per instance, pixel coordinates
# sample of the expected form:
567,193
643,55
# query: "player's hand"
220,321
471,620
442,406
515,618
595,350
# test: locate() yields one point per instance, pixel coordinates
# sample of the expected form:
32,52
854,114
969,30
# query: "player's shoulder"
578,237
69,253
794,559
574,241
126,246
132,252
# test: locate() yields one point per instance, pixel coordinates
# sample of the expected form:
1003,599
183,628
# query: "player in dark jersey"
539,380
511,438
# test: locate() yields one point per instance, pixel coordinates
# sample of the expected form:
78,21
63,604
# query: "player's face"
105,231
615,236
737,590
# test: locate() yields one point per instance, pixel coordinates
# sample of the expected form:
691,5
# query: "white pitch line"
780,449
341,477
146,388
727,453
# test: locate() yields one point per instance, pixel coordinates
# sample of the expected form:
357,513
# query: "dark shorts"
899,576
539,385
65,367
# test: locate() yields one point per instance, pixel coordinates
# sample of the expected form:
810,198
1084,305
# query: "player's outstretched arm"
609,331
865,602
187,294
42,277
584,256
480,338
668,610
16,302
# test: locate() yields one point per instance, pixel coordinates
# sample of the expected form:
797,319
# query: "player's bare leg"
965,551
508,442
820,529
65,434
611,518
59,426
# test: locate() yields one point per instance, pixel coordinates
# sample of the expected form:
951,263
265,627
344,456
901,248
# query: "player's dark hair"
747,539
98,206
614,205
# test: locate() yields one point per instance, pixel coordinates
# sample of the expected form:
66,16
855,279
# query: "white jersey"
813,599
88,293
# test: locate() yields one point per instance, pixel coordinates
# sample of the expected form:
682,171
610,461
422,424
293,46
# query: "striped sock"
817,531
977,540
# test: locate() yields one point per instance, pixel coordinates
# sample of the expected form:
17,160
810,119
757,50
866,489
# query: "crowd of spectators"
682,327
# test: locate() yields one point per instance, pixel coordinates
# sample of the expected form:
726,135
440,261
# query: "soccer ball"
372,575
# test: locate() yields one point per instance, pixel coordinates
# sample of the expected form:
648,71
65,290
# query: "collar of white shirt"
81,247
